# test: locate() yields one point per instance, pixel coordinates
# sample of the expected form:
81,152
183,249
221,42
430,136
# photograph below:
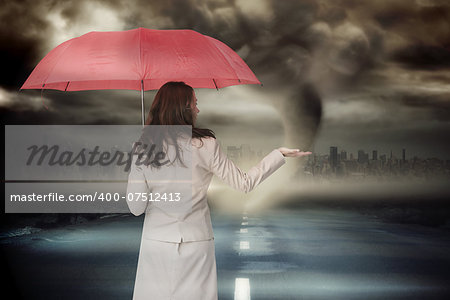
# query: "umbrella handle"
142,104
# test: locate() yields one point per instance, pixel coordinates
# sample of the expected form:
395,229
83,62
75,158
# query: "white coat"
194,224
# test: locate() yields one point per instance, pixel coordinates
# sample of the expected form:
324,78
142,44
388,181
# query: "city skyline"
374,154
404,153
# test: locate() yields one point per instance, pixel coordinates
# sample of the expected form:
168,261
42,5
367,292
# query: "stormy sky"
370,75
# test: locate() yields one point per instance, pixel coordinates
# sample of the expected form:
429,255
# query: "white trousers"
176,271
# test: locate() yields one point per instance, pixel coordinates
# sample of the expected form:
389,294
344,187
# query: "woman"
177,255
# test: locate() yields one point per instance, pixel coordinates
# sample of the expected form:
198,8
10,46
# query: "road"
298,254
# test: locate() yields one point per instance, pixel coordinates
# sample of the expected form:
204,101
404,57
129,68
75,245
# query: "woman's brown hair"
172,106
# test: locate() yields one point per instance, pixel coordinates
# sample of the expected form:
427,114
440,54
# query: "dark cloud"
269,39
22,31
418,22
438,105
439,78
331,13
86,107
423,57
221,19
217,119
20,116
293,17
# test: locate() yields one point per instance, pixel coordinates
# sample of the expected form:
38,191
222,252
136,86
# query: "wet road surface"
296,254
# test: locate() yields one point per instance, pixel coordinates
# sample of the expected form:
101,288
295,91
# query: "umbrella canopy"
139,59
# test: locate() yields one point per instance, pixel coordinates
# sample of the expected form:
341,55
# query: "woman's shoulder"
206,141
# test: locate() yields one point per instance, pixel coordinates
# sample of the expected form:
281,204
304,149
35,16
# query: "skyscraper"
361,156
333,158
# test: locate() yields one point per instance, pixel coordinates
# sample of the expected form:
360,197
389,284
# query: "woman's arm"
137,186
225,169
293,152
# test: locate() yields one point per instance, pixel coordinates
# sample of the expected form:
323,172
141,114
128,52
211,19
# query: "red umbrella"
139,59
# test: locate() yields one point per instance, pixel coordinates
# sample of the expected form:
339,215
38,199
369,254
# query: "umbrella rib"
223,56
62,53
67,85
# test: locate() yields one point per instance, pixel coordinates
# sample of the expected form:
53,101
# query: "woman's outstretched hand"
293,152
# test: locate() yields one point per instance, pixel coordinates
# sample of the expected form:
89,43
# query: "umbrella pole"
142,103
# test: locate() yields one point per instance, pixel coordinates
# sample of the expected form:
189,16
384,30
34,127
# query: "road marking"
242,289
244,245
244,217
244,223
244,230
